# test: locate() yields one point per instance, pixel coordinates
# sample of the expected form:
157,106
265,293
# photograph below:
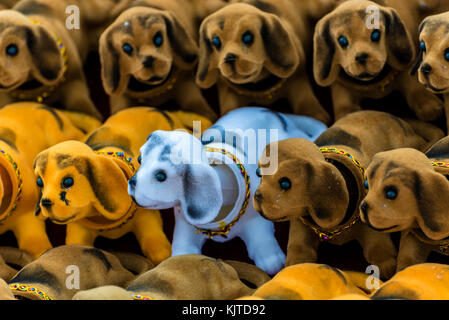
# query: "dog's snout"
230,58
148,62
47,203
258,196
364,207
426,69
362,57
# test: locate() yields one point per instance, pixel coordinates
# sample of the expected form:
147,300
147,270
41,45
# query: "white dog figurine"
210,184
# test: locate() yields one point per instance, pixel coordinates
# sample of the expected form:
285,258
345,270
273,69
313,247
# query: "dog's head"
29,54
433,59
304,184
140,49
346,40
245,44
77,183
174,172
404,191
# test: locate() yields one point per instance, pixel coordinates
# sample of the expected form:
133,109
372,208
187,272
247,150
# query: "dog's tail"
429,132
82,121
133,262
252,276
14,259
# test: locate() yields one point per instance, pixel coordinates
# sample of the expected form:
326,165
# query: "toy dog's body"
319,186
256,53
43,60
103,165
411,175
361,60
27,129
219,179
148,55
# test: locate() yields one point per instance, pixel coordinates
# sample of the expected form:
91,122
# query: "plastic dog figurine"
84,185
407,193
362,61
148,55
210,185
255,51
318,186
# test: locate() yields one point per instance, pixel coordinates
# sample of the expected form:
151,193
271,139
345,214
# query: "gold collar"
158,90
326,235
29,289
441,246
13,205
267,95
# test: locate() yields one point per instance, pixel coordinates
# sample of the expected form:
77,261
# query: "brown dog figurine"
360,59
255,51
407,192
148,55
318,186
186,277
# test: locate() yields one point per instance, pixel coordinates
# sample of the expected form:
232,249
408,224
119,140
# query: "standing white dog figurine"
210,184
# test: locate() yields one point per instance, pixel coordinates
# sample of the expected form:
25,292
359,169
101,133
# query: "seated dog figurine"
148,55
84,185
360,60
309,281
211,185
433,58
318,186
25,130
406,193
12,256
255,52
48,277
187,277
428,281
43,60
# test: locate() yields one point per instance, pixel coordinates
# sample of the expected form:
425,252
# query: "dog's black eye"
158,40
39,182
446,54
343,41
422,46
248,38
285,183
67,182
139,159
375,36
216,42
259,173
161,176
365,184
391,193
12,50
128,49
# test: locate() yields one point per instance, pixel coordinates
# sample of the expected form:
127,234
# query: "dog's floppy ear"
399,42
325,66
433,210
113,78
200,185
419,58
109,184
284,52
48,64
207,74
184,47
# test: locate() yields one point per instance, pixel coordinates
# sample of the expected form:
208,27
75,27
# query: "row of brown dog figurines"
254,51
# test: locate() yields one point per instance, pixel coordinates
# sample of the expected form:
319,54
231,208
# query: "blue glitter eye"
343,41
158,40
39,182
216,42
248,38
67,182
259,173
446,54
391,193
375,36
285,183
127,48
12,50
161,176
422,46
365,184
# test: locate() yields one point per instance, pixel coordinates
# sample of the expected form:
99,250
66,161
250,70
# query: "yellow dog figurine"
25,130
84,185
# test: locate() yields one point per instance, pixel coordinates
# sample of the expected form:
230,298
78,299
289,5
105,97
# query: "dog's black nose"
133,182
426,69
258,196
364,207
148,62
230,58
47,203
361,58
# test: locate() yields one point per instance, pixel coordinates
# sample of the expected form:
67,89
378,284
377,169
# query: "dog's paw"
271,264
428,107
